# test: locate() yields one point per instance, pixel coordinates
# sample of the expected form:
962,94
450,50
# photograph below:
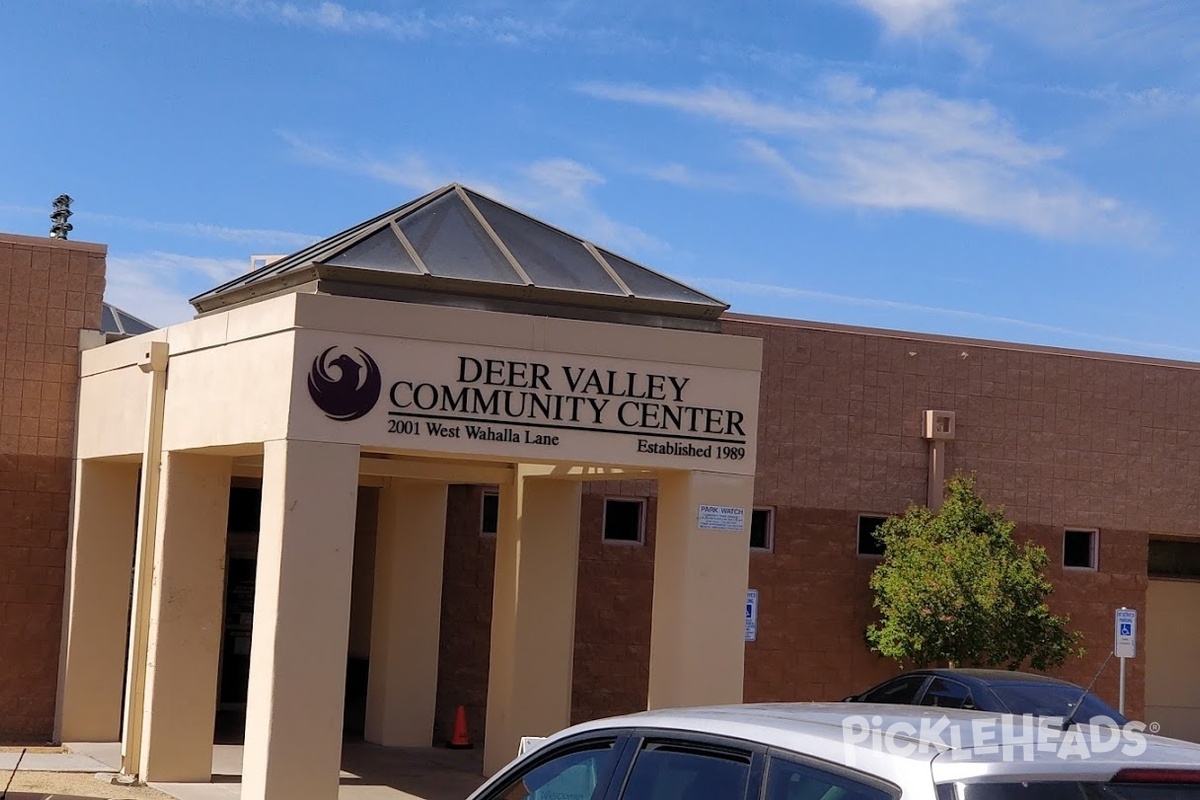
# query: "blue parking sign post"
1124,644
751,615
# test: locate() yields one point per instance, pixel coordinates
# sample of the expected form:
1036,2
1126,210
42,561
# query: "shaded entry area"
245,501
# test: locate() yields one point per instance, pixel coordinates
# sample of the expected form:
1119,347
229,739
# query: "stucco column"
186,604
97,602
533,615
301,621
697,630
406,614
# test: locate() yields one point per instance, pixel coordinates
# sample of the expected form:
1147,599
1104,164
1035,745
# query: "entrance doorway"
241,563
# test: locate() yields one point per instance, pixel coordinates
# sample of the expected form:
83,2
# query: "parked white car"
846,751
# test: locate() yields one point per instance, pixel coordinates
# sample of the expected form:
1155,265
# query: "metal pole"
1121,697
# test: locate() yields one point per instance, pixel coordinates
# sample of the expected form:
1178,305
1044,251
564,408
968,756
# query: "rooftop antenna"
62,210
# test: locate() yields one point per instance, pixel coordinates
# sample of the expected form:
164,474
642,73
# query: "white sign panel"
751,615
721,518
1125,633
458,398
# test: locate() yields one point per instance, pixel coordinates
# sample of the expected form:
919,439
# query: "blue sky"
1019,170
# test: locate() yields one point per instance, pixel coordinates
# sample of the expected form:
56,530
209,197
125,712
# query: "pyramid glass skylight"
455,242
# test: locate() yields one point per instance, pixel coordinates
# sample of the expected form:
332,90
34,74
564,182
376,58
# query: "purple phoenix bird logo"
353,393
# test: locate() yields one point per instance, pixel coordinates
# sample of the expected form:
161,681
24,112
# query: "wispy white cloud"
1143,29
510,28
937,20
252,236
913,17
850,144
260,238
156,286
558,189
731,287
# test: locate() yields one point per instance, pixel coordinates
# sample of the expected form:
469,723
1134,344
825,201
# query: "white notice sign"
751,615
722,518
1125,633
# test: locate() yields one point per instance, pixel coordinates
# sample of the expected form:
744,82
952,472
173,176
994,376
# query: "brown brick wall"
612,609
49,290
1059,439
466,626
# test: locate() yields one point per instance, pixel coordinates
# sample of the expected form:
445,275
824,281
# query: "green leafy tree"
956,588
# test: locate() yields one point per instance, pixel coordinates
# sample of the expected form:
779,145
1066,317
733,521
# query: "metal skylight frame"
310,267
487,227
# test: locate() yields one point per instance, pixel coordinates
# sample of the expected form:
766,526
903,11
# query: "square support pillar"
96,608
186,610
298,648
406,614
698,623
533,615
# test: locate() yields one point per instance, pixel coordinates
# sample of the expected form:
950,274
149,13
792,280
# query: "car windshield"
1075,790
1053,700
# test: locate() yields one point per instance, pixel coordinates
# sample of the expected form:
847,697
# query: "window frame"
1093,549
761,757
770,545
489,491
638,738
858,534
641,525
968,703
918,695
505,780
832,768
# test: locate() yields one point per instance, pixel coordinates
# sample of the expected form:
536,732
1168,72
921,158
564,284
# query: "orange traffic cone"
460,740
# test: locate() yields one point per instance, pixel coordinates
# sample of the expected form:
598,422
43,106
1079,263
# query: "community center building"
455,458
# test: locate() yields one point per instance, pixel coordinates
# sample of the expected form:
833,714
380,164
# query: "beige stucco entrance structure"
399,355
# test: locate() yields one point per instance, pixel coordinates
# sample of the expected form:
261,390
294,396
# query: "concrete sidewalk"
45,759
369,772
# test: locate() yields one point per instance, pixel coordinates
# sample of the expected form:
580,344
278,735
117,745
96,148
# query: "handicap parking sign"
751,615
1125,633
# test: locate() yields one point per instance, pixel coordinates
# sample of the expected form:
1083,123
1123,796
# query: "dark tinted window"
574,775
868,545
622,520
686,772
1174,558
1052,700
902,690
1079,549
787,780
946,694
490,512
245,505
761,528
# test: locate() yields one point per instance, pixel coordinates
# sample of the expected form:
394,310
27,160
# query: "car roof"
991,676
820,730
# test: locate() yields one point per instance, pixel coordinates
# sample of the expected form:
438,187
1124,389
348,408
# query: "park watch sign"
458,395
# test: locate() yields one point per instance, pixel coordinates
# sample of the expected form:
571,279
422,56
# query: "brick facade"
1058,438
49,291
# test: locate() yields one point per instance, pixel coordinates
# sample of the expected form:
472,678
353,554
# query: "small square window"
762,529
1079,549
489,515
623,520
868,545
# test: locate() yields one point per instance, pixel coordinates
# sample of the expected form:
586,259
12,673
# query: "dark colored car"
996,690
